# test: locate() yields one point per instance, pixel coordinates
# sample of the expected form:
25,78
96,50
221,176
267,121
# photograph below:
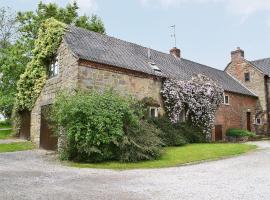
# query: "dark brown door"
218,132
48,140
25,125
248,121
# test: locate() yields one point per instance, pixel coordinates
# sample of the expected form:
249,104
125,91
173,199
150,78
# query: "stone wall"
234,115
66,79
256,85
102,77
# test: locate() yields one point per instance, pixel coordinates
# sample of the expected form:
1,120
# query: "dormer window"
54,68
154,66
247,77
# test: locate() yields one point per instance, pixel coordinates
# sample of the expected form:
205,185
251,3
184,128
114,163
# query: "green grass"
175,156
5,134
16,146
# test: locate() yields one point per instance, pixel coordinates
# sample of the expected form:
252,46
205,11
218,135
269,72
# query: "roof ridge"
167,54
104,35
260,59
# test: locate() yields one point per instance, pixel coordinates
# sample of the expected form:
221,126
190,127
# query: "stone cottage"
91,60
255,75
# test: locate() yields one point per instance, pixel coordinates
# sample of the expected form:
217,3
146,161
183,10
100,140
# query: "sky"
206,30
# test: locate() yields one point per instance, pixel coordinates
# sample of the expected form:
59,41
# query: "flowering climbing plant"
199,97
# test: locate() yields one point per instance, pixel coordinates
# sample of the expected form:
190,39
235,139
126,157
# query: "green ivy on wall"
33,79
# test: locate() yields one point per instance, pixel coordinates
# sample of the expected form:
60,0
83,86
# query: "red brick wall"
234,115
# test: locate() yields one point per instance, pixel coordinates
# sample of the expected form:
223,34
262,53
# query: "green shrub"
140,143
236,132
101,127
171,134
5,123
191,133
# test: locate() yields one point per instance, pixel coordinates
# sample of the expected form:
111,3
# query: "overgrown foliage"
18,33
236,132
200,98
103,127
33,79
171,133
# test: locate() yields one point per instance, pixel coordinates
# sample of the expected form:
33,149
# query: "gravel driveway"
33,175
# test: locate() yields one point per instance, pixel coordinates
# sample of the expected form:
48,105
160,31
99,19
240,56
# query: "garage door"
25,125
48,140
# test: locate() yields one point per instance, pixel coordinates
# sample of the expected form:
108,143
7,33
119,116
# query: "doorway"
48,140
218,132
248,121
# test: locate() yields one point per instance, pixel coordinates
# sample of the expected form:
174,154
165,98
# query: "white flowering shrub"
200,98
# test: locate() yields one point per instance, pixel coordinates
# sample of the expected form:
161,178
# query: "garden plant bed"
175,156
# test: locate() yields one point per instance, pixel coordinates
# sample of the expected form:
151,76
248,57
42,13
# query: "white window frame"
256,121
224,96
156,112
54,67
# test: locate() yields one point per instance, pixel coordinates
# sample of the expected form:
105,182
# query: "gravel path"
32,175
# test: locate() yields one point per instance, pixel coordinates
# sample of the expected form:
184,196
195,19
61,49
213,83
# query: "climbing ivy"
33,79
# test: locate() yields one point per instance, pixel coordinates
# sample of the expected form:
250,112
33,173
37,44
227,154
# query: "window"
226,100
154,66
247,77
258,121
54,68
153,112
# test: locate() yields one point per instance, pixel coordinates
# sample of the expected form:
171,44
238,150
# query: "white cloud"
86,6
239,7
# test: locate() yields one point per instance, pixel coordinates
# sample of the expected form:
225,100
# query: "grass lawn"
175,156
16,146
5,134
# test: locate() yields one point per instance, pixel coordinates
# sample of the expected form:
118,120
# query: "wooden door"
218,132
248,121
48,140
25,125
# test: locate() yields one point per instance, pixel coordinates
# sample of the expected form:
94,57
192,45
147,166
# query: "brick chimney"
238,55
176,52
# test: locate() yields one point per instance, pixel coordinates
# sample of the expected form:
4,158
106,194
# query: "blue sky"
206,30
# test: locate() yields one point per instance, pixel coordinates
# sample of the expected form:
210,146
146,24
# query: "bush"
5,123
171,134
140,143
191,133
102,127
236,132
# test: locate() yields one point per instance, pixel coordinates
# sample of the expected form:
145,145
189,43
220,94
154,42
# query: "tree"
16,53
8,26
200,98
30,21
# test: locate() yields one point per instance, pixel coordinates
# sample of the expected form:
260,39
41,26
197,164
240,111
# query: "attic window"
54,67
247,77
154,66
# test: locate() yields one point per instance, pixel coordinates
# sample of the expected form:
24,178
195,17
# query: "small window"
226,99
54,68
153,112
247,77
258,121
154,66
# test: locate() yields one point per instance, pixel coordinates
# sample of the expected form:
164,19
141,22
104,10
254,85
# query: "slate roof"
263,65
104,49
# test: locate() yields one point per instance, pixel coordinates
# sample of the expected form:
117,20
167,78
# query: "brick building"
255,76
90,60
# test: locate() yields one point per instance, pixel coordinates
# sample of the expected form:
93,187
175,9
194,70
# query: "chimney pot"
176,52
238,55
